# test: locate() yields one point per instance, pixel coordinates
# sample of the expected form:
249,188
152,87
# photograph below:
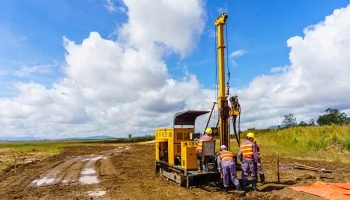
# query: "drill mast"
224,128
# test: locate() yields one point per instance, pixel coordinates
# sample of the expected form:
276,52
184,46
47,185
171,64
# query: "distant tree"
129,136
333,116
289,120
312,122
302,123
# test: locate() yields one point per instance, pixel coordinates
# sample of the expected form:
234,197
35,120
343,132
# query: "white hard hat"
223,147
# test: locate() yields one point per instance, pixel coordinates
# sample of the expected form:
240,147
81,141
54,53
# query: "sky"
115,67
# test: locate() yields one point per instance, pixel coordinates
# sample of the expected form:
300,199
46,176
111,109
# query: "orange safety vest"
200,143
247,150
226,156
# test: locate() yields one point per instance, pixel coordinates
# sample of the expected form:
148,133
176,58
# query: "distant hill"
28,138
275,127
97,137
31,138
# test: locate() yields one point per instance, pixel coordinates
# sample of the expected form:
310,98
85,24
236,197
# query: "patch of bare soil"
128,172
17,158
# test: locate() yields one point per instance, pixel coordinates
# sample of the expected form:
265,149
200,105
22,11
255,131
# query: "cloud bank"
317,78
114,87
123,86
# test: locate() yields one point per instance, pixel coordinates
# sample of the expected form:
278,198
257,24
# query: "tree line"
331,116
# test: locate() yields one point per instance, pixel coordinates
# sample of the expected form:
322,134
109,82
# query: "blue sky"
261,28
82,66
34,31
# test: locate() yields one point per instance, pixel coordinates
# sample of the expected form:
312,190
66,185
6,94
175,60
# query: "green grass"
9,151
51,148
347,144
321,142
4,165
55,147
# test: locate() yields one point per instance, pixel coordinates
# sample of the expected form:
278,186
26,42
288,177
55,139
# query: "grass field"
330,143
49,147
313,142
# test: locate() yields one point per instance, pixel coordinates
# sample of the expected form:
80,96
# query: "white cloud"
238,53
112,87
316,79
283,69
120,87
235,54
110,6
28,70
173,24
9,39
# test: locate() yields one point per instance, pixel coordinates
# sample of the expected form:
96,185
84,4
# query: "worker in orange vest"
248,154
227,165
199,151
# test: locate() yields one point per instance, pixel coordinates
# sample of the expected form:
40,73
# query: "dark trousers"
229,172
248,169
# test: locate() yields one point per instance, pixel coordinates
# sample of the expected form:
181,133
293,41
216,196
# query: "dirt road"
127,172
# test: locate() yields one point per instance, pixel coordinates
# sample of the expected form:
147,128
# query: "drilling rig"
175,149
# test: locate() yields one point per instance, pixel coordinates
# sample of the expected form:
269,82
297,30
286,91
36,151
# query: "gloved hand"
259,164
219,169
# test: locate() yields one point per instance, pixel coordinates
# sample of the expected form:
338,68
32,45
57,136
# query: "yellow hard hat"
251,135
208,131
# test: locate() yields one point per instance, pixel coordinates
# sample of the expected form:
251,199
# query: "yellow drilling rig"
175,149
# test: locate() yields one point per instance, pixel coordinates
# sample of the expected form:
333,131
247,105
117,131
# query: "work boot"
238,187
262,179
244,183
226,189
254,185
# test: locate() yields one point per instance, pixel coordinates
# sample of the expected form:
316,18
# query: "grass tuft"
347,144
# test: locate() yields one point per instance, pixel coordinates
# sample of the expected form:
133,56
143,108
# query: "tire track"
73,173
83,169
78,173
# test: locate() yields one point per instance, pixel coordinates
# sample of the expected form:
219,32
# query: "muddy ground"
127,172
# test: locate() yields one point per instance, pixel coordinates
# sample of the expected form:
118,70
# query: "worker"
259,168
227,165
248,154
199,151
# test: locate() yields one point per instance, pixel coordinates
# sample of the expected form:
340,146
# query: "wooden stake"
278,169
15,164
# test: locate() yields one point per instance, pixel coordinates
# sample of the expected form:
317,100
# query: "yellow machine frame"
179,145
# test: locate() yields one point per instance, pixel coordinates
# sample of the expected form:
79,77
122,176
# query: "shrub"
316,145
347,144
